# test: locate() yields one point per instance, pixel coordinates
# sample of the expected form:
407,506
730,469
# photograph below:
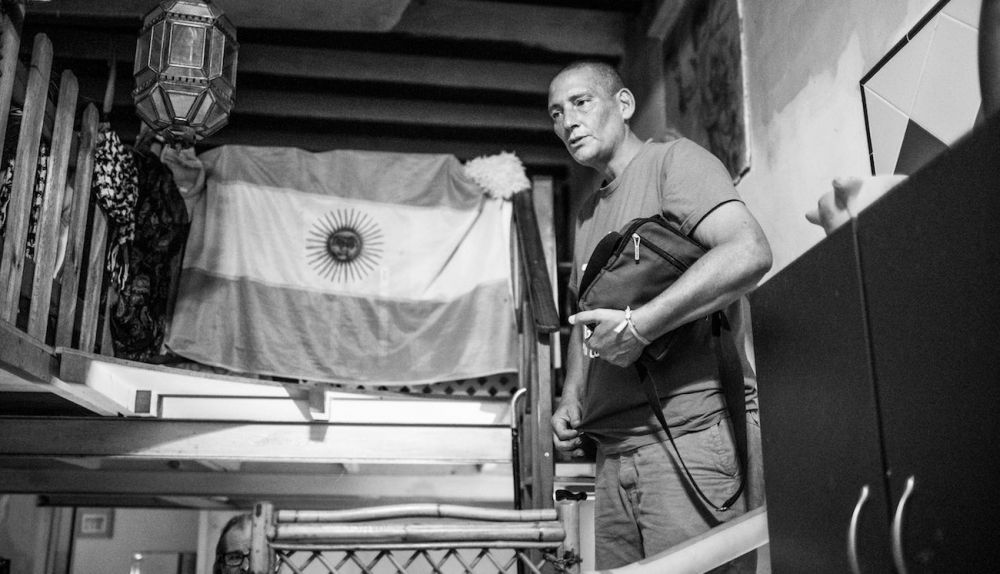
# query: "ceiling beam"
493,486
330,106
323,63
333,107
444,72
559,29
535,155
595,33
195,502
138,438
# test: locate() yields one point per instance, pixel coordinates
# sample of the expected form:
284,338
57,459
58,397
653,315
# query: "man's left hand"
618,348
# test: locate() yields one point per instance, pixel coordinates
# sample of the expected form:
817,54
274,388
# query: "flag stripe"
281,237
354,340
399,178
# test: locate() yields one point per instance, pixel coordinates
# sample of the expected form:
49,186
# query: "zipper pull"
635,240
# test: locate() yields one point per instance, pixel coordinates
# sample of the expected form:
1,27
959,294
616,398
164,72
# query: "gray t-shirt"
684,182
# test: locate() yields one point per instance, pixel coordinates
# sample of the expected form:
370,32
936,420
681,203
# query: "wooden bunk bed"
98,420
102,430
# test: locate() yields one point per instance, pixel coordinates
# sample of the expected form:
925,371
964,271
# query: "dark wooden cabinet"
878,356
930,260
821,444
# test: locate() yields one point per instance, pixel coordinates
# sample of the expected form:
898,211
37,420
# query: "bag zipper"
631,233
650,245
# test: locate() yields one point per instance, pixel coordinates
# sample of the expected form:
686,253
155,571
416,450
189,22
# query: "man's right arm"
566,417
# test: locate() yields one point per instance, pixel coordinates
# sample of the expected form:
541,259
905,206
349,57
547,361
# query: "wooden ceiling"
466,77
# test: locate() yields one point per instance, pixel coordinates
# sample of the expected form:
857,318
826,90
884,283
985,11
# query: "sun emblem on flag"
344,245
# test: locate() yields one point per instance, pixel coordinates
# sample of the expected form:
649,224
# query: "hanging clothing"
37,196
115,188
161,223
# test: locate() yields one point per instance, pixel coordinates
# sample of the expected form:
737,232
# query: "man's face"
236,544
588,120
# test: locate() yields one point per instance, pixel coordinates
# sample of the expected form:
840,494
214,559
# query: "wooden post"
90,325
50,218
569,516
19,207
261,556
545,349
73,264
107,341
539,318
10,43
537,281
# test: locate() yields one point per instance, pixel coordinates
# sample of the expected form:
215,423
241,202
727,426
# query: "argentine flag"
347,267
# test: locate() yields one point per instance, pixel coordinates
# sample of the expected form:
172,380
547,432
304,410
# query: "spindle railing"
45,302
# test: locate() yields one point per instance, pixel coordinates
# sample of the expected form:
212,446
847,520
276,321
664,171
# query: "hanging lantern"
185,70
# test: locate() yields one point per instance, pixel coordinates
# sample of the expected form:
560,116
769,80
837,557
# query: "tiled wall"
924,94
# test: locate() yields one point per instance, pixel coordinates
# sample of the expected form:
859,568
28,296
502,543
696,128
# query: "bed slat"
50,218
19,208
73,264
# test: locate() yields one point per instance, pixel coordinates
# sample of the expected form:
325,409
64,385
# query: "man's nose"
569,121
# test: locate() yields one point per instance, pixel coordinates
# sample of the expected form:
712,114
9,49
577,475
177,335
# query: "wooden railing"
31,318
539,325
536,267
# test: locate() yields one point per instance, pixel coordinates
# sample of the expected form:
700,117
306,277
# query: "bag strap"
731,374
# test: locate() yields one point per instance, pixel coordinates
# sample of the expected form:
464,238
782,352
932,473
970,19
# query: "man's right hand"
565,419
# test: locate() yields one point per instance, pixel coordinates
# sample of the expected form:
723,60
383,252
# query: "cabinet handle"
897,528
852,531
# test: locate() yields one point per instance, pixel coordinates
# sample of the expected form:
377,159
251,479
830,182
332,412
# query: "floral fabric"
115,187
38,195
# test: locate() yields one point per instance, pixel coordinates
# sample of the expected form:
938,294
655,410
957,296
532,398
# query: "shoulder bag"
630,267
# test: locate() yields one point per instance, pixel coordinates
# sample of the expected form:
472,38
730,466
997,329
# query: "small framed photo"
95,522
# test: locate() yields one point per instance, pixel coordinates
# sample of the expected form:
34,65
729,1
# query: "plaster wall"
136,530
19,521
803,63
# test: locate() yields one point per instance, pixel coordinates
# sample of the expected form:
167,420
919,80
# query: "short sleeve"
694,183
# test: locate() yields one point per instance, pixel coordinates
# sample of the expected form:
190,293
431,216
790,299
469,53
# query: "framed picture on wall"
703,71
923,95
95,522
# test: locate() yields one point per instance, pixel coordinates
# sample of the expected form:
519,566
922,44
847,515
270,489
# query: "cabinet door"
818,414
930,253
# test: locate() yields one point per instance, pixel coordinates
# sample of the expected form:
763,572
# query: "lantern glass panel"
144,108
160,105
215,54
216,119
156,47
141,53
229,65
187,45
181,102
206,104
197,9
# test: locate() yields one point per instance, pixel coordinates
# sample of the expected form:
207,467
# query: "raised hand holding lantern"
185,70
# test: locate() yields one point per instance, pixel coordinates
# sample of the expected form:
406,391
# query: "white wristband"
627,323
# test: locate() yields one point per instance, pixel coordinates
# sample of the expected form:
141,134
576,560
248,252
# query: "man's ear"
626,103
